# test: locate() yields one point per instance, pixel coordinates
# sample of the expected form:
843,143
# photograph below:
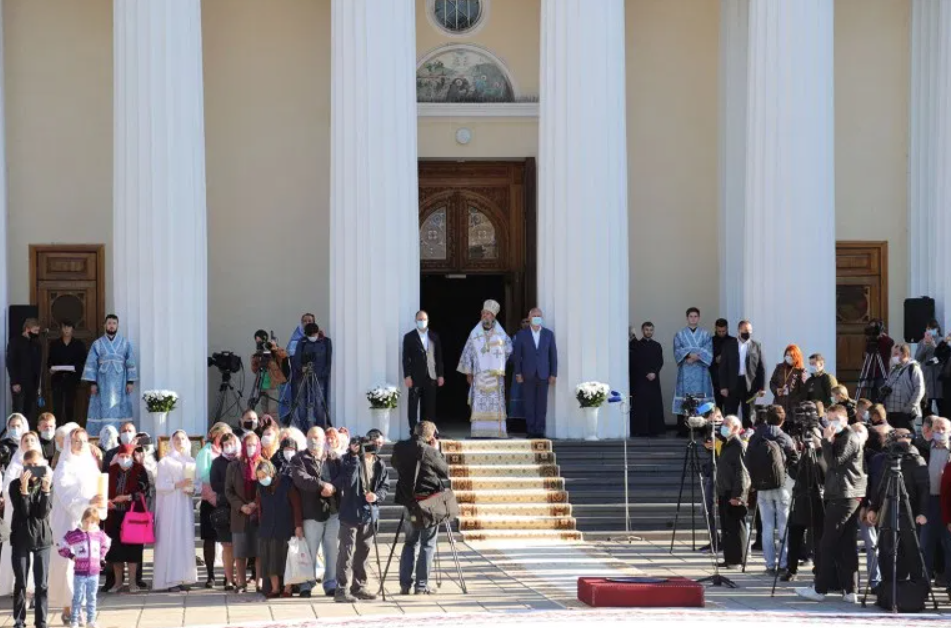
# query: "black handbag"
432,510
221,517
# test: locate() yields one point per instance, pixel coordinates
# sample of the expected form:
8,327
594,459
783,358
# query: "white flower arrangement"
160,400
592,394
385,396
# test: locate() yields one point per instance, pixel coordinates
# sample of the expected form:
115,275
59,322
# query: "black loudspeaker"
917,314
18,315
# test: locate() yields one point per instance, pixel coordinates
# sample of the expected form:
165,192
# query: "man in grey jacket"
845,486
907,385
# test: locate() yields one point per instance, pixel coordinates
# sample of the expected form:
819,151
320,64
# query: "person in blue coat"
535,356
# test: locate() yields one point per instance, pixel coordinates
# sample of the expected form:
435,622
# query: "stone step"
507,483
516,522
501,458
499,470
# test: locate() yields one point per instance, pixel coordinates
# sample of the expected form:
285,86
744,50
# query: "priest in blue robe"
693,352
112,373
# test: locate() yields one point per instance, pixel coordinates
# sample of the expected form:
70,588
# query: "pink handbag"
138,528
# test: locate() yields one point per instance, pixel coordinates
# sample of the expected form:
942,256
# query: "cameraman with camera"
362,482
845,487
903,390
313,354
269,363
422,472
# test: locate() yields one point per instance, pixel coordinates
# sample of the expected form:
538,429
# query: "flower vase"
381,421
158,424
591,423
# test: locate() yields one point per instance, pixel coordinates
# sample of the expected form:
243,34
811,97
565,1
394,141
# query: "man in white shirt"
422,369
535,357
742,373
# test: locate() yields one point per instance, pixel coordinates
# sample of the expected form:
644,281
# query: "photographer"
314,352
806,511
769,457
712,421
914,472
362,482
903,390
845,486
31,536
422,472
273,359
927,355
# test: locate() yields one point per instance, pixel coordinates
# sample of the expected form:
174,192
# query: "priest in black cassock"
647,407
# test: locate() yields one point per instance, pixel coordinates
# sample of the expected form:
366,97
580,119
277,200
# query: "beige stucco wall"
672,159
58,83
267,123
872,78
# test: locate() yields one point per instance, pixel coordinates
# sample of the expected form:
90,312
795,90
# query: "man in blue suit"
536,367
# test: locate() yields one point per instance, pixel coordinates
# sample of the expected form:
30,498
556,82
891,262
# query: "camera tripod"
310,393
257,389
868,386
447,527
897,506
806,487
228,397
692,469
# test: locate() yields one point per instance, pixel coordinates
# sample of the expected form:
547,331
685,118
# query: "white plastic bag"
299,567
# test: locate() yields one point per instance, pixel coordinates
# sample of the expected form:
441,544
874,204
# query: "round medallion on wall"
457,18
463,136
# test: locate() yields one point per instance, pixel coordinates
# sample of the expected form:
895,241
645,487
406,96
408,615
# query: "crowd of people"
73,507
819,468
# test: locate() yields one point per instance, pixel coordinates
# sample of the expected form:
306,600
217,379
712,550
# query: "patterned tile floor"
530,579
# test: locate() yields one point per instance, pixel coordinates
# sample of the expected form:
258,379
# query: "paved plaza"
514,578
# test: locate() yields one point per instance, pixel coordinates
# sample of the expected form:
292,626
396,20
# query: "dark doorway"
454,304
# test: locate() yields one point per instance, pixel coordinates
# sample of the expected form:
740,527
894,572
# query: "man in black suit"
742,374
422,369
720,336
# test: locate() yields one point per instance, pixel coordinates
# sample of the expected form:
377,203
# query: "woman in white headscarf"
14,470
75,488
175,527
60,438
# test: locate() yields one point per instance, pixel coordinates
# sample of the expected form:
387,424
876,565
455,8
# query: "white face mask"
289,454
230,450
266,440
126,437
48,434
837,426
315,445
313,338
251,449
789,360
896,360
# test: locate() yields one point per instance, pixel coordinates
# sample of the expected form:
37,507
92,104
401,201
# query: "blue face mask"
725,431
266,481
537,321
422,325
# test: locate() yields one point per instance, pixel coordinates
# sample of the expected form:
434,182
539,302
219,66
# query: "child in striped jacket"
87,547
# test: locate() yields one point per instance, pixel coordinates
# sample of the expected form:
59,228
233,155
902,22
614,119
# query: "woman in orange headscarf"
786,383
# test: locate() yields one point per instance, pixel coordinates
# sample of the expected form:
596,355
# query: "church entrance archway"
477,242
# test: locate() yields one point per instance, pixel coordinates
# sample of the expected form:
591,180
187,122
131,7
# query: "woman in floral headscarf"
241,489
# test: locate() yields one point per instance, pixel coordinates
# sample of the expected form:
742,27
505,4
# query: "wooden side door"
861,295
67,282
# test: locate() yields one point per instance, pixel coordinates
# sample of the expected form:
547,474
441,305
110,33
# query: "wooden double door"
861,295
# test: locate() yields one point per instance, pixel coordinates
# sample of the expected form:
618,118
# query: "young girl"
87,547
278,505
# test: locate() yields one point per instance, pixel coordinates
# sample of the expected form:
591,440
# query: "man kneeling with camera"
422,472
362,482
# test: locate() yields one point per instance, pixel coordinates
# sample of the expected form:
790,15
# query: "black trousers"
901,420
40,559
838,567
737,400
64,397
735,531
422,401
24,402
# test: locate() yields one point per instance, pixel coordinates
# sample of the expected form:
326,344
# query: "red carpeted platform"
641,592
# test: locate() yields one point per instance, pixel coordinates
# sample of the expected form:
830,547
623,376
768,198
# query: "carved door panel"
67,283
861,294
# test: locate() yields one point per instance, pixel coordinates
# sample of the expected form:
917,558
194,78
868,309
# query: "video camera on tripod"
691,407
804,422
227,362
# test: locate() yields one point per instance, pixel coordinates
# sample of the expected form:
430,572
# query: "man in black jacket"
31,537
422,369
742,374
312,472
733,492
845,486
66,352
419,452
24,356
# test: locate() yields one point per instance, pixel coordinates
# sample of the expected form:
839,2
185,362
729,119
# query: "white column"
374,213
159,227
780,235
4,296
582,210
929,155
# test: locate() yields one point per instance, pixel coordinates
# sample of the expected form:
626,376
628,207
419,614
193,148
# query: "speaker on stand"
918,312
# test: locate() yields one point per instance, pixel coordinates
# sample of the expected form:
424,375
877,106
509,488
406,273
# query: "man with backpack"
769,456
